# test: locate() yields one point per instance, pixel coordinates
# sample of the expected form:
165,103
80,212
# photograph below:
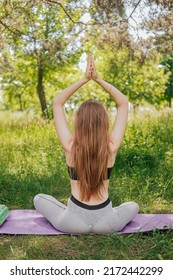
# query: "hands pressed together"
90,69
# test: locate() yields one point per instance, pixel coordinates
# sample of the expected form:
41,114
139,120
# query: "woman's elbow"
56,101
124,102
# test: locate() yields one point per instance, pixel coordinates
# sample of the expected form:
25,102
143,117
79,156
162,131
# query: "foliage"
160,23
168,67
18,83
140,82
42,42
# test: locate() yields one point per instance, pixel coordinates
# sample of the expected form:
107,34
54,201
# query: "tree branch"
134,10
62,7
17,32
130,16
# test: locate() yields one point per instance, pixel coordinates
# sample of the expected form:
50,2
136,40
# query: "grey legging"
77,219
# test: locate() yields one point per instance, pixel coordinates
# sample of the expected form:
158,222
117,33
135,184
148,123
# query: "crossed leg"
126,212
49,207
59,215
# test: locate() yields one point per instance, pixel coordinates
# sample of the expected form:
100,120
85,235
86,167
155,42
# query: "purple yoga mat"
32,222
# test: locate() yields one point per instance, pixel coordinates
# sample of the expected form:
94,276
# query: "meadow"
32,161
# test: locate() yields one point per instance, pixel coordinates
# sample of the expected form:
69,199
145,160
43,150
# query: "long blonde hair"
90,149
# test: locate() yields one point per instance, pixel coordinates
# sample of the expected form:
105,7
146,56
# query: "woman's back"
75,190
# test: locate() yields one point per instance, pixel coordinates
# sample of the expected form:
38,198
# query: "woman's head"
91,118
91,147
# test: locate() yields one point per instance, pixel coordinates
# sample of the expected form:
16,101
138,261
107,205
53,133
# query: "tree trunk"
41,92
20,102
170,102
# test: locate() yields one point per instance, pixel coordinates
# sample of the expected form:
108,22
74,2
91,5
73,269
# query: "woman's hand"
90,72
95,76
89,68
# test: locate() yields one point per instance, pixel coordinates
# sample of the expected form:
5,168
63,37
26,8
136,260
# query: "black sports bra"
73,173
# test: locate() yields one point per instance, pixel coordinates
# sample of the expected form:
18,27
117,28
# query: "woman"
90,156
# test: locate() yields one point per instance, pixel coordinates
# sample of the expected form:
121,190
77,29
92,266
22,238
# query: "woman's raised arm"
121,100
64,95
61,126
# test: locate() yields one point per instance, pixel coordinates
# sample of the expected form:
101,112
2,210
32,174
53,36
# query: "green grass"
32,161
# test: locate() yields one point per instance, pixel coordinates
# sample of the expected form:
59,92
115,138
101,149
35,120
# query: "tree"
42,33
18,82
